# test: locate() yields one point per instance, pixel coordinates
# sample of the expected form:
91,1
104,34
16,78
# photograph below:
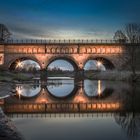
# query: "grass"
21,77
9,76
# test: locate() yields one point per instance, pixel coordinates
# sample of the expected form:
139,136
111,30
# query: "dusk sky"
69,19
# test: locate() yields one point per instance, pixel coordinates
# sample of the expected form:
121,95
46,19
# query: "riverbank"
7,129
6,76
16,77
6,89
111,75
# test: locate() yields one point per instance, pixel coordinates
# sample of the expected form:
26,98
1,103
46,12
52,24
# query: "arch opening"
61,66
25,65
98,64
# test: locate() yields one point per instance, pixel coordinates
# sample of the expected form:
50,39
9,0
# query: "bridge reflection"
61,107
65,96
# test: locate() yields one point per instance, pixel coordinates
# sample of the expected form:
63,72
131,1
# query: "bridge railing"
53,41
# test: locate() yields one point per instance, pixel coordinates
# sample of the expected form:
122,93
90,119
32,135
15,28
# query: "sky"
67,19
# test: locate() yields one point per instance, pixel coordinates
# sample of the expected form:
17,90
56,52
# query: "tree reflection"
130,123
129,118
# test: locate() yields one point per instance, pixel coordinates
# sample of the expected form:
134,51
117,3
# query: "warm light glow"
99,63
43,100
80,99
99,87
106,106
19,64
19,91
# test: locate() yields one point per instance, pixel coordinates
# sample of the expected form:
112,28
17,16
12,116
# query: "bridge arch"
66,58
107,63
12,63
27,91
69,95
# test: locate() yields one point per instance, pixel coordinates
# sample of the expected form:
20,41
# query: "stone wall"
76,54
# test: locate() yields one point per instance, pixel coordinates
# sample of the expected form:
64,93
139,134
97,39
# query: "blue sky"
74,19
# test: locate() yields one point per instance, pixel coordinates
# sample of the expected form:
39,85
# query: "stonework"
76,54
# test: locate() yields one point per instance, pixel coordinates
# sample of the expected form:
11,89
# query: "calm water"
103,122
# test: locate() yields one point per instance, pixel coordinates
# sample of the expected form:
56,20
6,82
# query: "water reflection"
97,88
60,88
129,122
117,103
66,88
93,88
27,90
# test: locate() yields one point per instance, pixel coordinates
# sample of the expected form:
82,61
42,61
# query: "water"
102,110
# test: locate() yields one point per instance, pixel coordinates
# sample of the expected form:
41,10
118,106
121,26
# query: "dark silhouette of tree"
4,33
129,117
130,123
130,35
120,37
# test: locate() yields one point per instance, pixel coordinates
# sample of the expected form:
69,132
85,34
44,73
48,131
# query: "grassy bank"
6,76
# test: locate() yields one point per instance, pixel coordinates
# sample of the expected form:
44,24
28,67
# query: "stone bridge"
112,54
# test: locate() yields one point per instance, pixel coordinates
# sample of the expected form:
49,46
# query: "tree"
120,37
4,33
131,35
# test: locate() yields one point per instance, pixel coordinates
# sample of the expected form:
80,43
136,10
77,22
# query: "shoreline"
8,129
19,77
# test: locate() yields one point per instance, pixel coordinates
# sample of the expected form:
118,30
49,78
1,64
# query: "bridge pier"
43,74
79,74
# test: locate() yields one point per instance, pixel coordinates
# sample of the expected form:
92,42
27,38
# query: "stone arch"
57,50
34,50
67,58
71,50
108,64
103,50
88,50
66,50
12,63
53,50
63,50
93,50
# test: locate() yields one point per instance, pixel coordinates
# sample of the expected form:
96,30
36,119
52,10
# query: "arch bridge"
112,54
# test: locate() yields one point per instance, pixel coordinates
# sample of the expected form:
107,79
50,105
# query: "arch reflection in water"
60,88
96,88
27,90
93,88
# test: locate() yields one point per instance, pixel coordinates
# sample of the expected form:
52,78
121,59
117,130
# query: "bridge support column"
79,74
43,75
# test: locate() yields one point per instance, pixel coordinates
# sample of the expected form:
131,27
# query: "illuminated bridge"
76,52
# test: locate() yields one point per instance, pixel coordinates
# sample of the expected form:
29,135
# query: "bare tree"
4,33
120,37
131,36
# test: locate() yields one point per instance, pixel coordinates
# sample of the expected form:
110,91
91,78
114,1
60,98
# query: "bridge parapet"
68,41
